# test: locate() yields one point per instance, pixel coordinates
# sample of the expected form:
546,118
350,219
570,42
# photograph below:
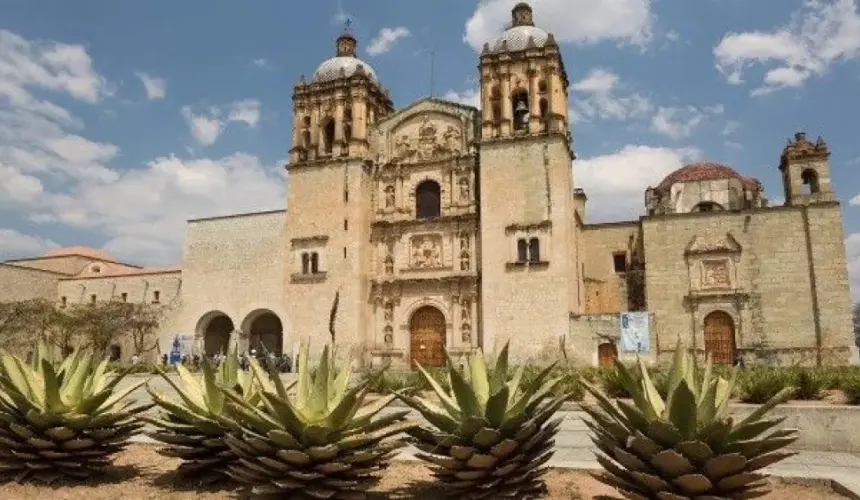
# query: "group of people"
273,362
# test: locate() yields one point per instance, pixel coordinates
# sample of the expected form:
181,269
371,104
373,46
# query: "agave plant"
322,442
194,427
686,446
491,434
62,420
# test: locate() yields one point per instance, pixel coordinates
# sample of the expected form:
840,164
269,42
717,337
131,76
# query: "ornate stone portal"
715,274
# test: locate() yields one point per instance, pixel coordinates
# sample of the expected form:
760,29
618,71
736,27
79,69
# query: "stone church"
444,227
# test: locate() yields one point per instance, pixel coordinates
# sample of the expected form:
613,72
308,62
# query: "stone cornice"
412,223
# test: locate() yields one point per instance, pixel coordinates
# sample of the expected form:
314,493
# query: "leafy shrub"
810,383
612,383
759,385
850,385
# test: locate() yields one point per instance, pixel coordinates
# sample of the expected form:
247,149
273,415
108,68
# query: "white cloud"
578,21
730,127
206,126
54,175
852,254
261,62
156,88
681,122
599,95
15,244
386,39
470,97
819,34
246,111
615,183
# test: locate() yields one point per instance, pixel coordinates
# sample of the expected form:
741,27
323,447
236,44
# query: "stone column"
487,100
315,130
534,102
338,128
507,106
551,104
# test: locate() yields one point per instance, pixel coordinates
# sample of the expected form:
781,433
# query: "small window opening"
306,263
520,102
315,263
619,262
93,299
522,250
156,297
329,136
810,181
534,250
124,296
64,301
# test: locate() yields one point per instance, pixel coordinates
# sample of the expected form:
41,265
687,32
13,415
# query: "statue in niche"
451,139
466,306
464,260
403,147
426,252
466,332
389,196
389,311
464,241
465,192
389,335
389,264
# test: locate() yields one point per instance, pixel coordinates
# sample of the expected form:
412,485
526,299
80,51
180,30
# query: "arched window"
810,181
544,114
534,250
522,250
520,105
315,263
708,206
328,131
428,200
347,123
306,263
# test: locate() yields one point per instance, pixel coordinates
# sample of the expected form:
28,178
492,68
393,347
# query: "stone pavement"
573,450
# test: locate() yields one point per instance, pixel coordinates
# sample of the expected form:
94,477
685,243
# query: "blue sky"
90,155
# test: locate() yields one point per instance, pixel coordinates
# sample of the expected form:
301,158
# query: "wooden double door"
427,337
719,335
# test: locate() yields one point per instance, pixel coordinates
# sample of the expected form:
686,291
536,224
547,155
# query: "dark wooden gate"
427,337
720,338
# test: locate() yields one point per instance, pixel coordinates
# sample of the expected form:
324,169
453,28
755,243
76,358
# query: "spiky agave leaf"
62,419
324,441
686,446
194,427
491,436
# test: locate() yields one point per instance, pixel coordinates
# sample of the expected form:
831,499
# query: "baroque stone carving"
389,311
466,330
389,335
464,260
429,145
715,274
427,251
465,191
389,196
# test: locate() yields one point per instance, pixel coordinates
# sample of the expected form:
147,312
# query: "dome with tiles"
705,171
522,29
344,64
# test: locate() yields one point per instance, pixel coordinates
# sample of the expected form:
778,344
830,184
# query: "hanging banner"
635,333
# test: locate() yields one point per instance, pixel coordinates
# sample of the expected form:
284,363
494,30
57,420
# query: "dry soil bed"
143,474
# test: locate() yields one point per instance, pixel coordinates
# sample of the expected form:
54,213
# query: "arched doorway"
607,353
427,337
720,338
266,333
216,334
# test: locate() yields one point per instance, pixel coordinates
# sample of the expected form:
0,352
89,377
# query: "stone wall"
605,288
763,280
21,283
234,266
597,329
526,187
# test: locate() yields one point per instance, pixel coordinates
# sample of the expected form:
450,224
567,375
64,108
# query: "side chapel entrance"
427,337
607,353
720,338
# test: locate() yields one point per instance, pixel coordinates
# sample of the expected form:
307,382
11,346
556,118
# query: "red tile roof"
705,171
82,251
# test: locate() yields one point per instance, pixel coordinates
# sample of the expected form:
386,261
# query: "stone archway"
265,332
216,330
427,337
719,335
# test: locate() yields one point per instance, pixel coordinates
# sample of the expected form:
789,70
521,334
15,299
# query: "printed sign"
635,332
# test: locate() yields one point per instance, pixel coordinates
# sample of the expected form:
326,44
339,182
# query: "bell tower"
328,196
333,112
528,280
523,81
805,171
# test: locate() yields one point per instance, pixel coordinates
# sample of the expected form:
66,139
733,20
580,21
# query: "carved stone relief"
389,335
389,196
465,190
389,258
389,312
465,256
429,143
427,251
715,274
466,315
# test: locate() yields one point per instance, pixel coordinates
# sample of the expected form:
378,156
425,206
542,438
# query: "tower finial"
522,15
346,42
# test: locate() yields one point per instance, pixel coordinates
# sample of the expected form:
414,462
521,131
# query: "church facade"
441,227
